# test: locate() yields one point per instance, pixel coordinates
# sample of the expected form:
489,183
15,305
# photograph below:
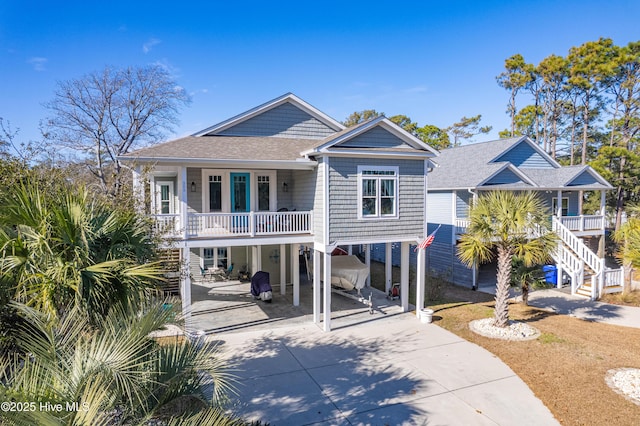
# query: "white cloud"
146,47
38,63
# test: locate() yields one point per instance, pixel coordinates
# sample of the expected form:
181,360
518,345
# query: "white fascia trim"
535,146
593,173
242,242
287,97
299,164
381,240
383,154
393,128
515,170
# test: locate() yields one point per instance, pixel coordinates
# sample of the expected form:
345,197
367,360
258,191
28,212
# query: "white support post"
254,260
326,277
559,205
404,276
283,269
183,203
350,249
259,257
388,274
367,261
138,190
603,226
559,277
420,281
185,287
317,299
295,273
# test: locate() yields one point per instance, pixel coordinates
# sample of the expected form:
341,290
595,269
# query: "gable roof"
378,136
474,166
322,119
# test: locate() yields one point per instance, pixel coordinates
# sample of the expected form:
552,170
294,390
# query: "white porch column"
185,287
559,204
559,264
138,190
350,249
183,202
388,274
367,261
316,286
601,243
326,277
420,281
255,267
404,276
295,273
283,269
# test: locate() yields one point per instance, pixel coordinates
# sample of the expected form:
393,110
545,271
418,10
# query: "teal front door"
240,192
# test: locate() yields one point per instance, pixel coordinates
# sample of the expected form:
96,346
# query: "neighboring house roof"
514,163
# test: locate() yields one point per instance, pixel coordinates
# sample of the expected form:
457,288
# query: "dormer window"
377,192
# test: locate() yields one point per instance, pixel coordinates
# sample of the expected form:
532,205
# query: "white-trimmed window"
215,193
264,193
164,194
377,192
215,257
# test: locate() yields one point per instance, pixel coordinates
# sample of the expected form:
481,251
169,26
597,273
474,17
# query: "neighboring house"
519,164
255,189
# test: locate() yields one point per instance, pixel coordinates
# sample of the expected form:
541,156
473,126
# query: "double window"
377,192
215,257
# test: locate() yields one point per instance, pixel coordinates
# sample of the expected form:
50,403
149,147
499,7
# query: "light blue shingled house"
253,189
518,164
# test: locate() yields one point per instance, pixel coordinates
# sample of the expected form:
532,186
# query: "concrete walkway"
561,302
392,370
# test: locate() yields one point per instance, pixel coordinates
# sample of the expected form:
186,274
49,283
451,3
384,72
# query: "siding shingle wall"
285,120
343,201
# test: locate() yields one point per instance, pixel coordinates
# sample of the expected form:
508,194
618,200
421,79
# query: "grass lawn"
565,367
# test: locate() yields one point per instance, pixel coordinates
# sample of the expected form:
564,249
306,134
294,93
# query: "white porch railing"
583,223
613,280
461,225
573,223
166,224
248,224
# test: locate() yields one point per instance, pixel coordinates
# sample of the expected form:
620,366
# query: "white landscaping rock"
513,331
625,381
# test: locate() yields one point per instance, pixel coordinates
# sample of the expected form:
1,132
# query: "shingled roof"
472,167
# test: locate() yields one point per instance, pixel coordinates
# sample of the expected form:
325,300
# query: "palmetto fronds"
66,249
112,366
507,224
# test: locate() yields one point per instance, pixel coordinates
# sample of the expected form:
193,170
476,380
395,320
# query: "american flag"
427,241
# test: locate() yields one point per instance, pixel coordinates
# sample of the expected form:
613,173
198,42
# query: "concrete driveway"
390,370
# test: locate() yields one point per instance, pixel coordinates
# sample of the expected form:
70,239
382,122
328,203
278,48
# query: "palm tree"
628,238
111,371
511,224
61,248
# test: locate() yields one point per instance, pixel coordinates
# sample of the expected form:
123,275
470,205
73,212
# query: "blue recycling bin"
550,274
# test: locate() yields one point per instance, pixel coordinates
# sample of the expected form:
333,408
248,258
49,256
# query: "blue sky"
432,61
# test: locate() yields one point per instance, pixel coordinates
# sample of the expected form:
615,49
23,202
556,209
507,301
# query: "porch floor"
227,306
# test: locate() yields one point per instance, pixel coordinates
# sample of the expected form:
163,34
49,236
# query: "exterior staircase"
588,274
170,263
